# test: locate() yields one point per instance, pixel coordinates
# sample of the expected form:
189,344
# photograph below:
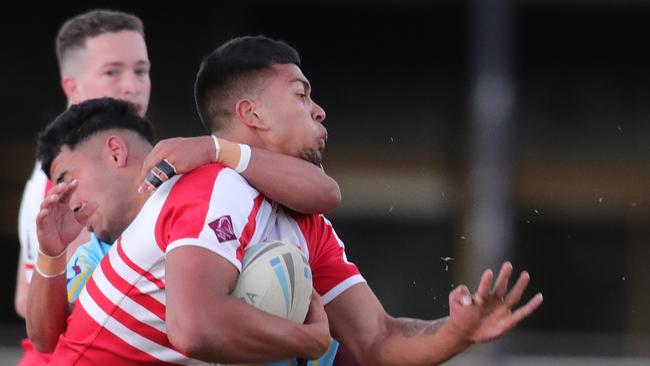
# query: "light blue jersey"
327,359
82,264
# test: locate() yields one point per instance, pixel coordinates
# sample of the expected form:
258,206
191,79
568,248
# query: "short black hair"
83,120
230,66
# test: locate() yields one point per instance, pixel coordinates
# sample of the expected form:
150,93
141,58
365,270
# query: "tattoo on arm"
413,327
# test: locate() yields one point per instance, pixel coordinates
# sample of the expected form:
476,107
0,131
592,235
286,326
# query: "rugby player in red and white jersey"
161,294
103,53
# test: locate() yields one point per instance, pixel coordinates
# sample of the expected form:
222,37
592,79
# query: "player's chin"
102,235
314,156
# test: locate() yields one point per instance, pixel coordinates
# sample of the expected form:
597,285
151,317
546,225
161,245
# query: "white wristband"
217,148
50,261
50,257
244,158
44,275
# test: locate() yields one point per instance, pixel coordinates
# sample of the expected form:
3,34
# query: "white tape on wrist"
244,158
59,259
46,275
51,257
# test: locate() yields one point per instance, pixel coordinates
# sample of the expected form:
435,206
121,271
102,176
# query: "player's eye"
111,73
141,72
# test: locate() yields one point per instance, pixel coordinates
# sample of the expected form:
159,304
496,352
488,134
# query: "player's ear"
70,88
248,114
117,150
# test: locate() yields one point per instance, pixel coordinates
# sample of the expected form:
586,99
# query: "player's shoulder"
205,173
209,175
205,185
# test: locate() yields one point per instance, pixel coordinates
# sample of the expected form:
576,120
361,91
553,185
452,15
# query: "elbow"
328,198
331,196
41,332
197,342
188,341
42,343
186,344
43,346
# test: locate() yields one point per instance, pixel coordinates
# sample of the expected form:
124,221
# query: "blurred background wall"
462,133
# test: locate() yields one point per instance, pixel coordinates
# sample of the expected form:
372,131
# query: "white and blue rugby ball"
276,278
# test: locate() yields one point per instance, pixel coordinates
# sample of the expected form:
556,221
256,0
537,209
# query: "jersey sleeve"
81,265
33,194
212,207
332,272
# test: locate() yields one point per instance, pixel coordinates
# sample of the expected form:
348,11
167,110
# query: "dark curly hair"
83,120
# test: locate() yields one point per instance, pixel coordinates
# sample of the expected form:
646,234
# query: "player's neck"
136,202
140,200
240,136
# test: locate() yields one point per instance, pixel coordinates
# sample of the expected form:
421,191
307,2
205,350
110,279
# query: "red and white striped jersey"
119,318
35,191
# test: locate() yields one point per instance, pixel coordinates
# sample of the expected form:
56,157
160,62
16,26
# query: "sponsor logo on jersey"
223,228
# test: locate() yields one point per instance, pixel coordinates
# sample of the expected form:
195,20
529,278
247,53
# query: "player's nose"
75,203
318,113
131,84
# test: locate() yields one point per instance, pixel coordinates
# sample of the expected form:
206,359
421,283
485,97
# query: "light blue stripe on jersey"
327,359
82,264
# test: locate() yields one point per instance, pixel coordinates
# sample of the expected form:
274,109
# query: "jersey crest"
223,228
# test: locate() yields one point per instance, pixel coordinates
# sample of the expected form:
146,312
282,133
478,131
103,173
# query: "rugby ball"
276,278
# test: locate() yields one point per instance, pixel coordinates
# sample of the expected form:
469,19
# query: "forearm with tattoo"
415,327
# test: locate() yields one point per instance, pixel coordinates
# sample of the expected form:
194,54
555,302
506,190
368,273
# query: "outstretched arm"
293,182
360,323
